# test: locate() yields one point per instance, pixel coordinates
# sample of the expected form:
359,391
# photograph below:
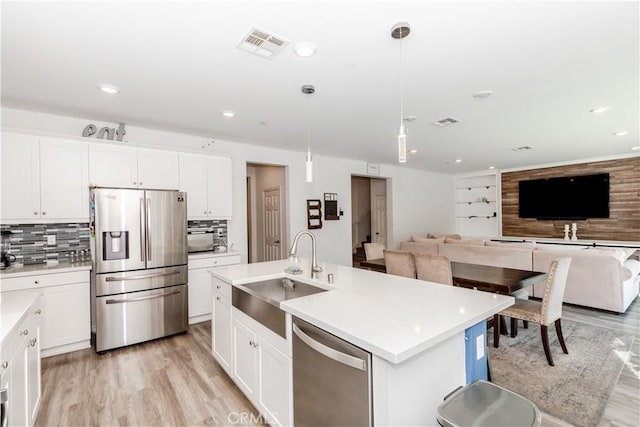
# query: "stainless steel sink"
261,300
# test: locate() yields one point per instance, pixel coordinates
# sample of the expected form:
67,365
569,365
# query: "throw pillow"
428,240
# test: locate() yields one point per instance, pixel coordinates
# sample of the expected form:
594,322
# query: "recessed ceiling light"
599,110
636,148
228,113
108,89
413,151
458,160
492,167
620,133
305,49
483,94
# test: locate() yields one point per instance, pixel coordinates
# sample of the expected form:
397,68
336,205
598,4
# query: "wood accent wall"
623,223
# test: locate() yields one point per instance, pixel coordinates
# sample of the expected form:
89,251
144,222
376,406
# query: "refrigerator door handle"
146,276
142,238
148,229
122,301
329,352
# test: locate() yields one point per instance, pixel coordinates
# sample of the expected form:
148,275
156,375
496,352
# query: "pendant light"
400,31
308,90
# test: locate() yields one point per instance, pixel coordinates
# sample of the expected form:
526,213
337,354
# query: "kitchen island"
414,330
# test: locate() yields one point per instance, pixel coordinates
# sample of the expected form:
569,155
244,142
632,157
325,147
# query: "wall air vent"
523,148
447,121
262,43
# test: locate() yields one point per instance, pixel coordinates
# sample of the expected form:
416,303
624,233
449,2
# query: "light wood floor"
176,382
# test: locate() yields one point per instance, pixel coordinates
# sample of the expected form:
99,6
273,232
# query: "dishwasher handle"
329,352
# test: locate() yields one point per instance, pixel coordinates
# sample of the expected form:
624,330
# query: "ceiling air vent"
447,121
262,43
523,148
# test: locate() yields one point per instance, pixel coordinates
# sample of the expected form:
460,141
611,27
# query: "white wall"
420,201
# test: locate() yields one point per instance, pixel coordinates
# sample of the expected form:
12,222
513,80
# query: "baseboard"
67,348
199,319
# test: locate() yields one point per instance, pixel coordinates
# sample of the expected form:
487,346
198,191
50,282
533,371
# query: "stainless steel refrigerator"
140,265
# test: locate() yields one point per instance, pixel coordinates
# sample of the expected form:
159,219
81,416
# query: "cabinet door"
66,318
199,294
158,170
64,177
20,177
18,386
245,360
194,180
220,187
221,331
33,367
275,386
112,166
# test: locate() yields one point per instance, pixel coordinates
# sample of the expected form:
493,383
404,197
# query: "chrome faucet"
315,268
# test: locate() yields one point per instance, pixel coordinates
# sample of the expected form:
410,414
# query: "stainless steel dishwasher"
331,379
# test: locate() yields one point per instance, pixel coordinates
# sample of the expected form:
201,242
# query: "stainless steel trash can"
485,404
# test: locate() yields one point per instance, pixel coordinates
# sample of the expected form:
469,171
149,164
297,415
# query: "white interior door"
379,223
272,227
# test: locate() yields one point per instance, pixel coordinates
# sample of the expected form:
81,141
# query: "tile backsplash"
30,242
219,228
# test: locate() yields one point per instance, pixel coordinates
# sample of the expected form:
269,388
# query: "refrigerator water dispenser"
115,245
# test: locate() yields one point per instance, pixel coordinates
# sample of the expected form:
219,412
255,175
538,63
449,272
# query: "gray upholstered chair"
400,263
433,268
546,312
373,251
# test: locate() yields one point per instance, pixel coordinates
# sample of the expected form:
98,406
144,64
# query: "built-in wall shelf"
480,201
475,186
476,205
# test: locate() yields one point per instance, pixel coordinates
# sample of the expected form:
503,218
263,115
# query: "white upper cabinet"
158,170
207,181
43,179
20,176
125,167
112,166
219,192
64,184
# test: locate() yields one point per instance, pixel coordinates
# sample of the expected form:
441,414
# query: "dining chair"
544,313
433,268
373,251
400,263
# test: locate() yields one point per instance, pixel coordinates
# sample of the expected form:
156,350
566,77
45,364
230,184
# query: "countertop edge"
38,269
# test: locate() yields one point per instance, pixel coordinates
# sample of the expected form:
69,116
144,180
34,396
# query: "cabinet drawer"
214,261
43,280
221,288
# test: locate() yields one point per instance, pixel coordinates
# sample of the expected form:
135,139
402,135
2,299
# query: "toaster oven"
200,239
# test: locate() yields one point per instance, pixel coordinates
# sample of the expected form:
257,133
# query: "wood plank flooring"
172,381
175,381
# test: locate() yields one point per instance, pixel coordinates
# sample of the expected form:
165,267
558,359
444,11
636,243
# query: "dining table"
500,280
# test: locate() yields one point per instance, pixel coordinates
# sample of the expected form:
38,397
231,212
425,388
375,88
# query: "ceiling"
177,67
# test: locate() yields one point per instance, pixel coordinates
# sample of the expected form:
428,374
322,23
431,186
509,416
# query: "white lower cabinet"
200,292
245,359
20,370
261,371
65,308
221,340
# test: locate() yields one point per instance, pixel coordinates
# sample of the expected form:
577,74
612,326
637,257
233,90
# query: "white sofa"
602,278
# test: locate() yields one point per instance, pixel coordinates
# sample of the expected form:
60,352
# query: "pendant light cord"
308,125
401,88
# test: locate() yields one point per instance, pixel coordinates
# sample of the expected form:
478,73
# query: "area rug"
577,388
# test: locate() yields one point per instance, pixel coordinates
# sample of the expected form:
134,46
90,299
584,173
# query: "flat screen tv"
567,197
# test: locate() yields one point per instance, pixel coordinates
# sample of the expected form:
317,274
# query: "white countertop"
393,317
30,270
13,308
